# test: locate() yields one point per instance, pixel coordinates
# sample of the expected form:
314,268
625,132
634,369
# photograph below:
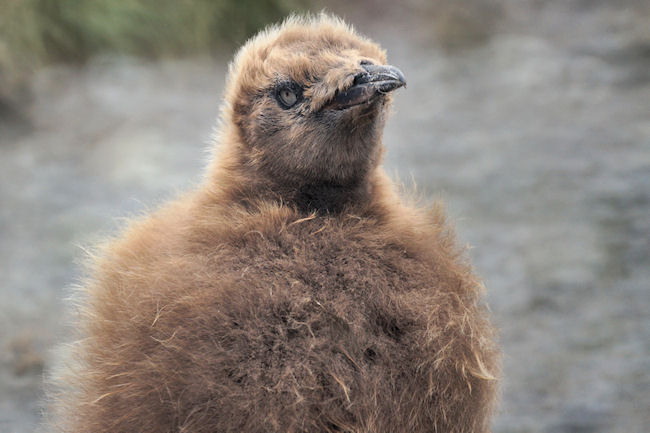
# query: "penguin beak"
375,80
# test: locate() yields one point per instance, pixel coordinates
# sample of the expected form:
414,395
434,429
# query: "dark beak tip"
399,75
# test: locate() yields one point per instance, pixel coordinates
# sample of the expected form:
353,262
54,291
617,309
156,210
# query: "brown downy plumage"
294,291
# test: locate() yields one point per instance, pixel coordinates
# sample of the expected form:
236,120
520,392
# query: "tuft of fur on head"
322,51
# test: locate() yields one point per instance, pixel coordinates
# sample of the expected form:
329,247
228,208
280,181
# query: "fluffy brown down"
294,291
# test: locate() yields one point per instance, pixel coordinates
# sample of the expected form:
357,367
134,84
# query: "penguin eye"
287,97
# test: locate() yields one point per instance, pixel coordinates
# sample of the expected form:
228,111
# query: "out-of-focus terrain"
530,119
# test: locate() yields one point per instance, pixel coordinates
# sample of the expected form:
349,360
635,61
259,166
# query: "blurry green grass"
34,33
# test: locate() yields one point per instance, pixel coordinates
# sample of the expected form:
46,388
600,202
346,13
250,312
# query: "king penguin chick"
293,291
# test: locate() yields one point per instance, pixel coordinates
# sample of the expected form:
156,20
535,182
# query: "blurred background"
530,118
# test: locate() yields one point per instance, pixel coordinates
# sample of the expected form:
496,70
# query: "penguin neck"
235,179
322,197
326,197
236,184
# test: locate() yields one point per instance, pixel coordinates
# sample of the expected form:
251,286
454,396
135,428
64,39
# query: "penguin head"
307,100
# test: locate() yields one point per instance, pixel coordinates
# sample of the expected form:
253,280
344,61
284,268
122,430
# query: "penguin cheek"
268,123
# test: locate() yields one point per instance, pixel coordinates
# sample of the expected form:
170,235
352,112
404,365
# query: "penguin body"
294,291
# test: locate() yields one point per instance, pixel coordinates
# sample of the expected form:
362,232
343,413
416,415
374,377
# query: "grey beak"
384,77
376,80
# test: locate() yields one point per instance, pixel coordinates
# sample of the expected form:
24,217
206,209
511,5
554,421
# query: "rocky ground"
536,133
